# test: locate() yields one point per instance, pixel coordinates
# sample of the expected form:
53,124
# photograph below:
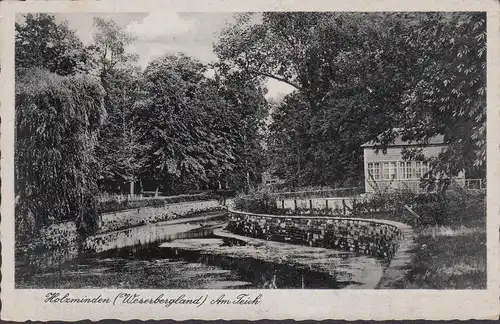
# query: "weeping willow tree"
57,123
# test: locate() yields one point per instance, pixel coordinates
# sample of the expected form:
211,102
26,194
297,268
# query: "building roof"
398,141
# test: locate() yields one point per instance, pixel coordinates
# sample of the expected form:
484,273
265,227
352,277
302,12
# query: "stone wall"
378,238
63,236
141,216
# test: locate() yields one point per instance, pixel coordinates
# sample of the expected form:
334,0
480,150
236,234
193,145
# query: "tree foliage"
110,42
118,141
180,122
119,147
42,42
57,121
249,109
449,94
58,116
199,131
327,58
359,75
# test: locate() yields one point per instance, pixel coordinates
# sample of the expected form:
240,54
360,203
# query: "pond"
208,263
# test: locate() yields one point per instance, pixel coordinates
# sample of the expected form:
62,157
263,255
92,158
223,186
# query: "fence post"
282,204
343,206
310,204
295,204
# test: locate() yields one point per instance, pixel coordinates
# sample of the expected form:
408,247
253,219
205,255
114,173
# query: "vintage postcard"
250,160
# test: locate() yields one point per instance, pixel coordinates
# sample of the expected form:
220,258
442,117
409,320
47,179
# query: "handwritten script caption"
123,298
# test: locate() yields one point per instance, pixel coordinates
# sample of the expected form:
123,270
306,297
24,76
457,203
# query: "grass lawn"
445,257
448,258
451,256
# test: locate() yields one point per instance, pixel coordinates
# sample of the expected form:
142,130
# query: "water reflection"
152,267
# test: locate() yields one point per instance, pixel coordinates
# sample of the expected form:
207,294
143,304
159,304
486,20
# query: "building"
389,171
268,179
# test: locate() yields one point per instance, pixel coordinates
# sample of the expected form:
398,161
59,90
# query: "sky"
164,32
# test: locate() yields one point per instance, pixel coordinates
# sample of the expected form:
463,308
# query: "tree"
248,111
58,115
118,143
42,42
57,121
355,76
119,147
110,44
286,139
333,63
183,123
449,95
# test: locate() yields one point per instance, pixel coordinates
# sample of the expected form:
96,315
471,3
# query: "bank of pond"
201,244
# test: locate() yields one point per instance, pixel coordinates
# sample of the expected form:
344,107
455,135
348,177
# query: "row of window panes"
404,170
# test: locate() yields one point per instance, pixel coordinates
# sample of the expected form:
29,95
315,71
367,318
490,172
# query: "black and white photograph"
250,151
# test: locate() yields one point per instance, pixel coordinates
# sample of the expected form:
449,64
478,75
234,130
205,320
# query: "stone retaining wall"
63,236
141,216
378,238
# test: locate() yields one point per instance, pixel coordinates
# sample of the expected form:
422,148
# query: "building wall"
393,154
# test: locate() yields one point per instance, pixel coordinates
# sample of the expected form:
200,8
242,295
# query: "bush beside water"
448,208
260,202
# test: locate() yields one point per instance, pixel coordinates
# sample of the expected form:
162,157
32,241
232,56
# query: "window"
418,169
389,170
374,171
421,169
405,170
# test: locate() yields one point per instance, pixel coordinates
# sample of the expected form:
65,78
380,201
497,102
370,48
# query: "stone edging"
398,225
398,265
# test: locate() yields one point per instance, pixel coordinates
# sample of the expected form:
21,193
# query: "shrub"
383,202
451,207
260,202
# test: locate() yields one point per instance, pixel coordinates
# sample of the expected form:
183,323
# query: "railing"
414,185
475,184
333,205
322,193
384,185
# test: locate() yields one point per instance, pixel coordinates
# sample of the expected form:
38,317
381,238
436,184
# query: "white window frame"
402,170
405,170
373,169
389,169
